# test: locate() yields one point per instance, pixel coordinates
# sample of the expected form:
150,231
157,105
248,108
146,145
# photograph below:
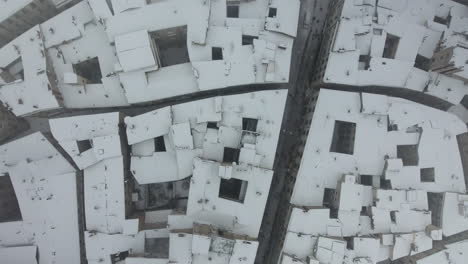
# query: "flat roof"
185,132
100,131
358,40
88,32
47,196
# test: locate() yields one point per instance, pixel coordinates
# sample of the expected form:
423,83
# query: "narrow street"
306,47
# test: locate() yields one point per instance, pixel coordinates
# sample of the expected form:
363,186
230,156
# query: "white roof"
102,131
282,21
455,253
99,246
19,255
330,250
71,37
373,142
11,7
136,260
46,191
104,196
135,51
186,134
140,129
38,149
375,155
453,214
34,93
185,248
239,217
357,34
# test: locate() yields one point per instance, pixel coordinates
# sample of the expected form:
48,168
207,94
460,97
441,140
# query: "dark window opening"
328,197
231,155
115,258
248,40
393,216
390,126
233,189
408,154
272,12
364,62
164,195
427,175
391,46
159,145
385,184
171,45
157,247
422,63
349,242
464,101
216,53
249,124
84,145
9,207
89,70
343,137
441,20
367,180
378,31
232,11
13,71
213,125
364,211
334,213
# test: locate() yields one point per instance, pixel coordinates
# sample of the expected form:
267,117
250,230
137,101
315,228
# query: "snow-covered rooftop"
227,144
89,139
372,160
176,48
454,253
246,124
45,187
393,43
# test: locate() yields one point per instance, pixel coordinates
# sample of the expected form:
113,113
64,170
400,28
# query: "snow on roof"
367,247
139,260
140,129
206,201
403,142
73,37
299,245
104,193
186,134
286,259
46,191
454,213
209,246
374,144
19,255
455,253
90,36
279,16
36,91
319,219
135,51
330,250
89,139
410,244
363,52
38,148
8,8
100,247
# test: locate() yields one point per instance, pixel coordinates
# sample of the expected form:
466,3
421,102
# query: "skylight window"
233,189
